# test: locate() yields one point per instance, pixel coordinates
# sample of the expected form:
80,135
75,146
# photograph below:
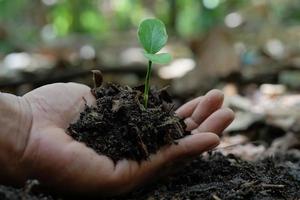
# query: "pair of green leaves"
153,36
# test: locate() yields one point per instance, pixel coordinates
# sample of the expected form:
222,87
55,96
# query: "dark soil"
219,177
119,126
25,193
214,177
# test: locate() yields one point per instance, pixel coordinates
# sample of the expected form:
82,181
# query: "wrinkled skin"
58,161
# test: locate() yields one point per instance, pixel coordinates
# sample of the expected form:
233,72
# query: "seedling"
153,37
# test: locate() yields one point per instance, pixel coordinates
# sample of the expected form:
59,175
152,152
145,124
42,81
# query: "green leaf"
161,58
152,35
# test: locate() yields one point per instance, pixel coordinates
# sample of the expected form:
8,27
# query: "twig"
28,187
143,146
215,197
248,184
241,143
265,185
97,78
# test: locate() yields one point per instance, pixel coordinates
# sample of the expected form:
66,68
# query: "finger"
211,102
189,146
187,109
216,122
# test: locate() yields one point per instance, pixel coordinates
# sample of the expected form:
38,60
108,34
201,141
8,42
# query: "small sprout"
97,78
153,37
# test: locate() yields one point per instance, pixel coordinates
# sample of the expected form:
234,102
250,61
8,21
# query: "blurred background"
250,49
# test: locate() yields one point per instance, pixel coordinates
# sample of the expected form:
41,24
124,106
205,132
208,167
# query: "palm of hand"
59,161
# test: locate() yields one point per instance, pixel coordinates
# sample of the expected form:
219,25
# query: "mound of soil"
213,177
119,125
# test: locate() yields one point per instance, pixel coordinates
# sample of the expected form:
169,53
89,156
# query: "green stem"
147,84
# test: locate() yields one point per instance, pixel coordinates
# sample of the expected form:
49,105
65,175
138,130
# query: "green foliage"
153,37
91,21
62,19
188,21
161,58
100,18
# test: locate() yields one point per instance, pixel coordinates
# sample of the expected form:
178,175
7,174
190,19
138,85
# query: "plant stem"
147,84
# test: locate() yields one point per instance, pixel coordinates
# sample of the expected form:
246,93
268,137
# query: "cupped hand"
58,161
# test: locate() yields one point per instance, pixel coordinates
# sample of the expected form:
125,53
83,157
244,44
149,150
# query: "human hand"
56,160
